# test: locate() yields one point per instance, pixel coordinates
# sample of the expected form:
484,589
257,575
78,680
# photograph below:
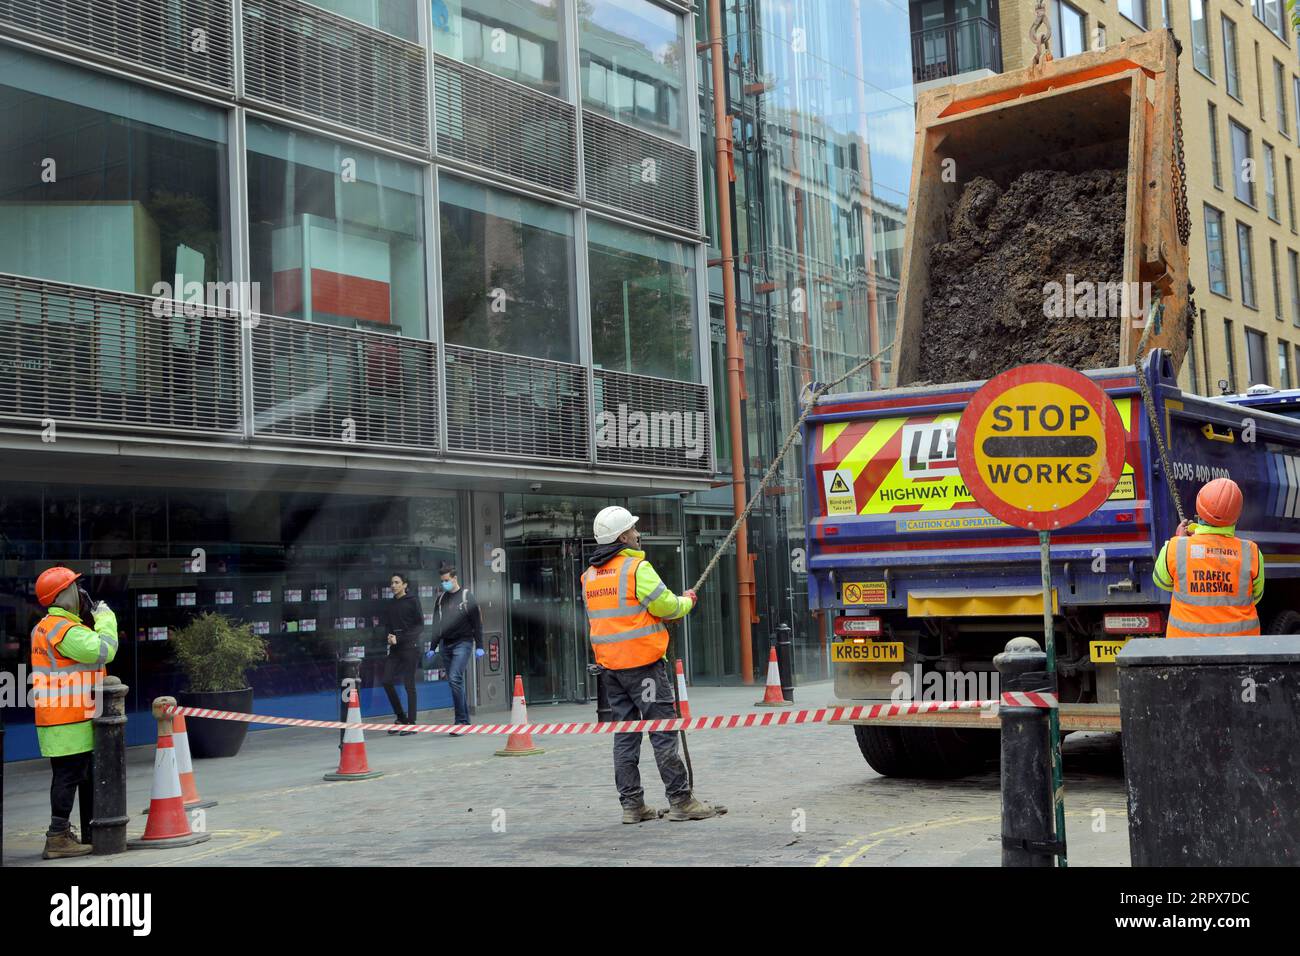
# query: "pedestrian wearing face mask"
458,627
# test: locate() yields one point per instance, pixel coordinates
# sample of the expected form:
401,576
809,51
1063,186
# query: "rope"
1154,315
776,462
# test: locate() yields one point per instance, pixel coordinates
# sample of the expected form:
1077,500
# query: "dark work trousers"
72,776
643,693
399,666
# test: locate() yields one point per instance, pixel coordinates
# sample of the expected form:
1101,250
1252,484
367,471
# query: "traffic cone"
352,755
185,766
168,824
683,705
772,696
519,745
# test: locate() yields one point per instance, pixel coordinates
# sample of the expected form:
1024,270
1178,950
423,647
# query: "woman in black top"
404,621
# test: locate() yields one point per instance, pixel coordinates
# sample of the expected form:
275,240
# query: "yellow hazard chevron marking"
832,432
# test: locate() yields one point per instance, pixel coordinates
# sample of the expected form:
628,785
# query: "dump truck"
921,586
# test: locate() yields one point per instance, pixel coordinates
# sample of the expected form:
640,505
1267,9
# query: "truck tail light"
1148,622
862,627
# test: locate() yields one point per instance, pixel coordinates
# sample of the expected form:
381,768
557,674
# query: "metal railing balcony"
956,48
71,355
338,386
654,423
513,406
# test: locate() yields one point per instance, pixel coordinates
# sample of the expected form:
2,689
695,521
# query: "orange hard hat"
52,582
1219,502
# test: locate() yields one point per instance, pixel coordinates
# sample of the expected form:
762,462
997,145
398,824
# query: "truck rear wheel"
883,749
1284,622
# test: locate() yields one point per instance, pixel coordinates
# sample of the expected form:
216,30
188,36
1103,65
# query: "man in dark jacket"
404,622
458,626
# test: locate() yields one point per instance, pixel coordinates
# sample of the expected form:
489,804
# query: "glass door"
545,608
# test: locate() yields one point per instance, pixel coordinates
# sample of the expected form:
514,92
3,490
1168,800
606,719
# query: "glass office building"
297,294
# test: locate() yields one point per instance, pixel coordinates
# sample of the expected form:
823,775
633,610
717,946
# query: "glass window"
1230,58
1099,37
1283,366
1246,264
1279,93
1256,358
1270,13
1243,164
1293,261
107,183
1277,281
1218,265
517,39
1068,31
397,17
1135,10
507,272
642,303
336,233
631,62
1215,173
1201,52
1231,355
1290,193
1270,184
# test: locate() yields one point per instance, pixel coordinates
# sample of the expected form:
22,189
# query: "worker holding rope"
627,604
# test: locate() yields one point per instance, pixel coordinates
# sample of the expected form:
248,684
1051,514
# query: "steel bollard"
108,825
785,660
603,713
1027,811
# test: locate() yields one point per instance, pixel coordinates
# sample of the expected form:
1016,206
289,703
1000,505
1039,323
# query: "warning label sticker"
841,499
864,592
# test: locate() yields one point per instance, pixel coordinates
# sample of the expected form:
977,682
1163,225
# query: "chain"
1180,164
1154,316
1042,41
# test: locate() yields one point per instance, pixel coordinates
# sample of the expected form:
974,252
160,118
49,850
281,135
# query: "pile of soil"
984,313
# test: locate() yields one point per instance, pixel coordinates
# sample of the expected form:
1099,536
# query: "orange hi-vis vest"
1213,577
62,689
623,632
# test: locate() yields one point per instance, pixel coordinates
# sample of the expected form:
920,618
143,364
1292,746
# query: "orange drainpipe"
725,172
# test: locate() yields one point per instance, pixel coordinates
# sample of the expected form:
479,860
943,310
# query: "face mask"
447,585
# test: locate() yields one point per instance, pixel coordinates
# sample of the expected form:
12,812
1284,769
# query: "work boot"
59,846
693,809
639,814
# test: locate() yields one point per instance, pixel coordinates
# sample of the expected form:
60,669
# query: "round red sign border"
1093,394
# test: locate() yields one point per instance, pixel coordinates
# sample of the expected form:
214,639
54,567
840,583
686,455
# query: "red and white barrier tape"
767,719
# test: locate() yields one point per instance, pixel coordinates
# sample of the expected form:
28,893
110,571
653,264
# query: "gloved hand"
85,605
692,595
479,652
1181,530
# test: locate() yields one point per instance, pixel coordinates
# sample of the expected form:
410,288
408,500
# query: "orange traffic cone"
352,755
519,745
168,825
185,766
772,696
683,705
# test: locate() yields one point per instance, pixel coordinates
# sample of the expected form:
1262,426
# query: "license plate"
1103,652
872,652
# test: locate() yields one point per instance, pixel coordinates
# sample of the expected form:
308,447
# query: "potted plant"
215,653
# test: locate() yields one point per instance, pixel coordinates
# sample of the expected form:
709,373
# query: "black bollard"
1027,812
785,660
603,714
108,826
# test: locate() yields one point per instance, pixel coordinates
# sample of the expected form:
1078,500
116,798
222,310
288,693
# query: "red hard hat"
52,582
1219,502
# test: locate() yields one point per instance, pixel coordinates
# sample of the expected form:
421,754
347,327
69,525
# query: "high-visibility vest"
1213,575
623,631
62,689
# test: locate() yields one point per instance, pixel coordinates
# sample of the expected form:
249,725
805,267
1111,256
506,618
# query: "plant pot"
216,738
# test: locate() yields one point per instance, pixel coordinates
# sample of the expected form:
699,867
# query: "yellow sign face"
864,592
1040,446
1103,652
868,652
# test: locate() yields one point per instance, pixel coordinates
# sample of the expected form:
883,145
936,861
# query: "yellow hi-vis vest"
1213,577
62,689
624,633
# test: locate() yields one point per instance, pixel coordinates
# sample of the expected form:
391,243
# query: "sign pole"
1053,715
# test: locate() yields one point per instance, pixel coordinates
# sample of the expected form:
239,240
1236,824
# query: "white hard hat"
611,522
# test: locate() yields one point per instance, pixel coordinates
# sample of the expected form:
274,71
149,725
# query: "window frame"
1237,169
1141,7
1216,215
1231,69
1246,265
1204,6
